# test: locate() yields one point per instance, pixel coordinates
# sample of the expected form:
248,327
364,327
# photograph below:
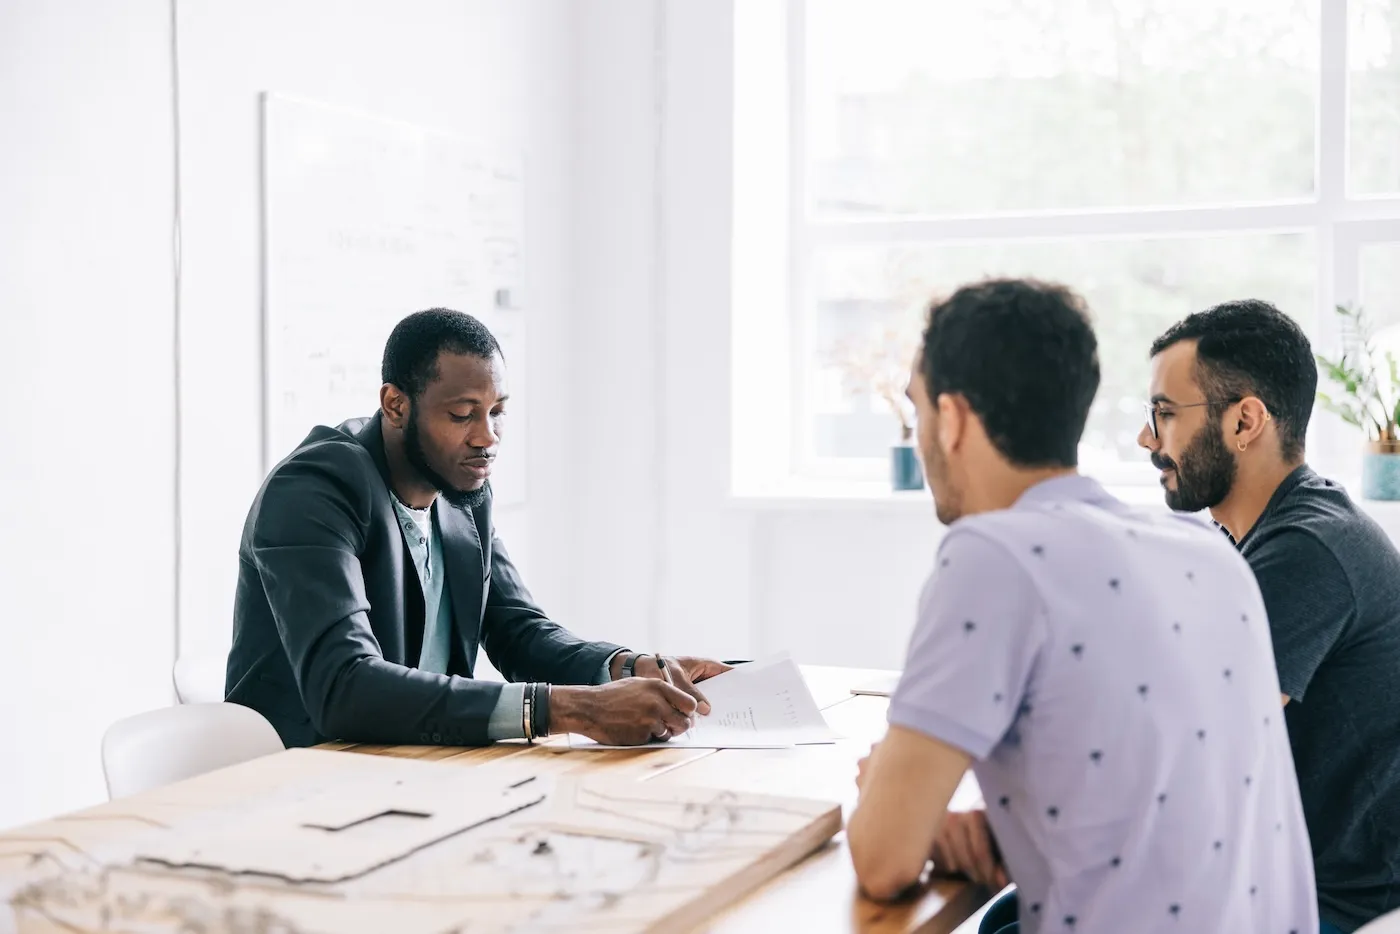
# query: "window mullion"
1298,215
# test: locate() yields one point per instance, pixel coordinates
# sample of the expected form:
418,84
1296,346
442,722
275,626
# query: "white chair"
1388,923
199,679
163,746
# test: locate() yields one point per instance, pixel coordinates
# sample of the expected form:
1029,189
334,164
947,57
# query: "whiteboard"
366,220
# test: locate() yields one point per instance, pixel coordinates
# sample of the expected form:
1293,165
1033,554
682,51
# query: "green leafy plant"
1367,382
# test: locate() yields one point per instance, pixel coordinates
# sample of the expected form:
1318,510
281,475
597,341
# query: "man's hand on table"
684,671
623,713
636,710
964,844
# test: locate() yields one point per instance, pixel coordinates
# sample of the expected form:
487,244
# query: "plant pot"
906,473
1380,470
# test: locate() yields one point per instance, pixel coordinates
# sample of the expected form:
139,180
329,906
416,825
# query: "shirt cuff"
605,675
505,722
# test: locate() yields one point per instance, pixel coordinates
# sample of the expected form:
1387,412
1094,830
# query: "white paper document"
759,705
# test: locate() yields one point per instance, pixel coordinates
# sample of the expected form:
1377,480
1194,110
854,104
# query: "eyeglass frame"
1150,410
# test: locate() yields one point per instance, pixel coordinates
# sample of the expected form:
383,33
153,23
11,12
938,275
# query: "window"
1137,287
918,107
1380,284
1373,67
1158,156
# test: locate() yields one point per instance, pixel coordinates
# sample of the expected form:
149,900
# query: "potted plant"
1368,396
877,363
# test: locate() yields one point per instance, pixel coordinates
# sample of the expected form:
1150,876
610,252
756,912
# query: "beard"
1204,475
418,458
947,502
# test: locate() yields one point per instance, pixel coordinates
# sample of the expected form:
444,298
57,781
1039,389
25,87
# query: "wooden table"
818,894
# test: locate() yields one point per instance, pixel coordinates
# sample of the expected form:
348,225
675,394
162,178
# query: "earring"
1241,445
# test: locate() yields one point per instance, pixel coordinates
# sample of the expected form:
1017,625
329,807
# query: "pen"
666,673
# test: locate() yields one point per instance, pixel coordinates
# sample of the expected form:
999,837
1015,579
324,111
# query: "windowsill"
808,495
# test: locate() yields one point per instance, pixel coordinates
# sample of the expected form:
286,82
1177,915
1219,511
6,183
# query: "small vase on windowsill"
1380,471
906,473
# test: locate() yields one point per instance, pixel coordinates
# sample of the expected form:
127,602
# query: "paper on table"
882,686
759,705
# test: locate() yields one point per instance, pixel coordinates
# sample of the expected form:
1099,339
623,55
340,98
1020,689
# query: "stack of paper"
759,705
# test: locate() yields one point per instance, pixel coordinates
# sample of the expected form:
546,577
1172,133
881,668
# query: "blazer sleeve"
522,642
305,543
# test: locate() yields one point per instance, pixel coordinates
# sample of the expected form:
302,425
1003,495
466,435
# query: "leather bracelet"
526,721
539,706
629,667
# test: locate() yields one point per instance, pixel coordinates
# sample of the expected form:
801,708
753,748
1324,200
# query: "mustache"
1162,462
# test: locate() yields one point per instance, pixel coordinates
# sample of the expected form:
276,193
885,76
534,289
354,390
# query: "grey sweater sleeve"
1309,600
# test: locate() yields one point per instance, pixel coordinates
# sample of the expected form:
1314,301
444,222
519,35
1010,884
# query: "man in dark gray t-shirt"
1232,393
1331,584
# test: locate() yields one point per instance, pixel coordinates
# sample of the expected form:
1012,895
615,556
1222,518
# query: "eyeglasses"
1150,409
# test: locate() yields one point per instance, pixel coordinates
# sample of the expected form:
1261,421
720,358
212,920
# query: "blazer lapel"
466,572
370,434
461,549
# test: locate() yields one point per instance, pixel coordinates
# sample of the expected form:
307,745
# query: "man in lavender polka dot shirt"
1107,673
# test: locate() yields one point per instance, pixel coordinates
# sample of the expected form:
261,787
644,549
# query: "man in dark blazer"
370,572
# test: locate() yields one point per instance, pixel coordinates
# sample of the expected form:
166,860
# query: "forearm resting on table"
909,781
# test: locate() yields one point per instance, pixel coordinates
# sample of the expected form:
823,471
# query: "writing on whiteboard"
367,220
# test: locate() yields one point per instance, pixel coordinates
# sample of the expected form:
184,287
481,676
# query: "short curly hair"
1024,355
1249,347
411,354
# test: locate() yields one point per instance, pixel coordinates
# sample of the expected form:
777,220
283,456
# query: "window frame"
1340,223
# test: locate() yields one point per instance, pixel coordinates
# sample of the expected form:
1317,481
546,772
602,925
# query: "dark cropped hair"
1248,348
1024,355
410,356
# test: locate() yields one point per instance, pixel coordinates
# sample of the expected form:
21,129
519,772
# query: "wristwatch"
629,666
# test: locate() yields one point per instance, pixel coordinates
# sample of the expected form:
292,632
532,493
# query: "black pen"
666,673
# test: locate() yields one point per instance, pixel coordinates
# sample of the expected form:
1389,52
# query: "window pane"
939,107
868,303
1373,54
1380,288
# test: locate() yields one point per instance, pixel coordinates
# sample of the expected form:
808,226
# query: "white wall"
87,533
612,462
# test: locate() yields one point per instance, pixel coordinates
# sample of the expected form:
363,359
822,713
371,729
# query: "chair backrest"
1388,923
199,679
163,746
